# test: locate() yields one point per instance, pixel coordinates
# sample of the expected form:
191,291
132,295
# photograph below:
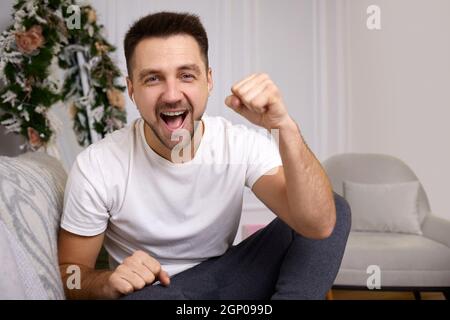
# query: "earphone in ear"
132,97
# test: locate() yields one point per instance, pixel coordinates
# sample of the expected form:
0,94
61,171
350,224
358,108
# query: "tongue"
174,122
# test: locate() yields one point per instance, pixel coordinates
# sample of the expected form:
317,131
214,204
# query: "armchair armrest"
437,229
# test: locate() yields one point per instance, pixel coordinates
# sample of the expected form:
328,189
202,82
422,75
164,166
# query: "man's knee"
341,229
343,215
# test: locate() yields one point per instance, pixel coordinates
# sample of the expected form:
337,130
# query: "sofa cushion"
17,279
404,260
389,207
11,286
31,200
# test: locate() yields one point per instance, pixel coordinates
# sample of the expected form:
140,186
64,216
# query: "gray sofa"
31,201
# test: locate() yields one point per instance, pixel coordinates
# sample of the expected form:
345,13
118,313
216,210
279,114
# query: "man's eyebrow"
192,67
145,72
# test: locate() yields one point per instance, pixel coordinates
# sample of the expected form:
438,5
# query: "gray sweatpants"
273,263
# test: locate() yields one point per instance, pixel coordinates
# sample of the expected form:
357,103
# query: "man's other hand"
136,271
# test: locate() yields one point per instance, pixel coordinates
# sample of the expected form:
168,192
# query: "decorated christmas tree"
49,37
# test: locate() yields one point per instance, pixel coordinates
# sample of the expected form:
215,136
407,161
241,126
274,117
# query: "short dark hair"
165,24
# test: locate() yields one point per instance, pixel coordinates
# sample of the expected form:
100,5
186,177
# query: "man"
164,195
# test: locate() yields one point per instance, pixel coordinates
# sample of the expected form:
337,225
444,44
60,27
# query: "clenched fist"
136,271
259,100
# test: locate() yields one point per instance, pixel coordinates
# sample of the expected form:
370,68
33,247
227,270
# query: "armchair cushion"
389,207
405,260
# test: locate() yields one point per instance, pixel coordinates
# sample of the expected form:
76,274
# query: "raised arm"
299,192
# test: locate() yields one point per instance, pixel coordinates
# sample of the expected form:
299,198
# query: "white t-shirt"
179,213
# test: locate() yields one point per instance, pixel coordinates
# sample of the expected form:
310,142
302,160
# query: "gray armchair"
407,262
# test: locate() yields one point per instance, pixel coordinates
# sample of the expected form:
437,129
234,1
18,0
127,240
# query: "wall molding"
320,86
330,77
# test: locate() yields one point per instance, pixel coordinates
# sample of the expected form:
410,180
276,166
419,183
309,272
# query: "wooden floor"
383,295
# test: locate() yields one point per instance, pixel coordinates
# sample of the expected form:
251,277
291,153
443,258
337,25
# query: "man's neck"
155,144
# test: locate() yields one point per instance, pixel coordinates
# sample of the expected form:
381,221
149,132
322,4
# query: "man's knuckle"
148,277
256,102
122,267
113,279
139,253
151,277
127,289
273,87
140,284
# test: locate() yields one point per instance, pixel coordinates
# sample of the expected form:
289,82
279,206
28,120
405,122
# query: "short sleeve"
263,155
85,199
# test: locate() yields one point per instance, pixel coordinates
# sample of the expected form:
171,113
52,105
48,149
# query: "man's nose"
172,92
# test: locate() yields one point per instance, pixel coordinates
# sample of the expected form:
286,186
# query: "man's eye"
151,79
187,76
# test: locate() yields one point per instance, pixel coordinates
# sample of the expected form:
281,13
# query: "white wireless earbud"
132,97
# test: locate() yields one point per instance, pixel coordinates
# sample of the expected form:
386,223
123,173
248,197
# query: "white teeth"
173,113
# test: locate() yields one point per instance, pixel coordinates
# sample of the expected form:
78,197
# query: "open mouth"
174,119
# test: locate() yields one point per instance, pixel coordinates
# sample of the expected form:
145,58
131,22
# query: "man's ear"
210,80
130,88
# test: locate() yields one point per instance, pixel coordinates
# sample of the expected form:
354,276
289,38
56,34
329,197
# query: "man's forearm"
92,283
309,192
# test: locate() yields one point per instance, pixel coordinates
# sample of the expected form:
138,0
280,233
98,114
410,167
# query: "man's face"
170,84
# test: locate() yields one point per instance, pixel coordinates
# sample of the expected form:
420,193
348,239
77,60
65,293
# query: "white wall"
400,88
